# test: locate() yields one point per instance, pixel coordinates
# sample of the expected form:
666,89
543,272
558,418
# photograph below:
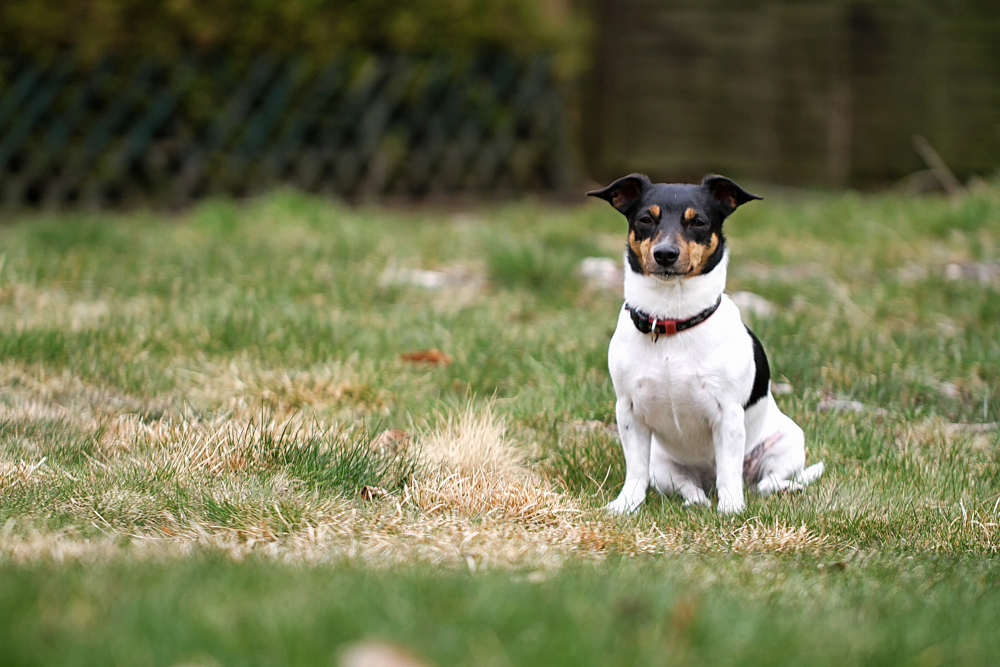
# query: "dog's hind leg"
669,477
800,479
774,485
777,463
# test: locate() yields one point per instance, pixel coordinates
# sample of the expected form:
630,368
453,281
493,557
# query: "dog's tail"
810,474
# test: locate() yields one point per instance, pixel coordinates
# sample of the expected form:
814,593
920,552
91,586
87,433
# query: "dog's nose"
666,255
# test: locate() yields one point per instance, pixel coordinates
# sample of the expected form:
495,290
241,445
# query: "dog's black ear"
624,192
727,192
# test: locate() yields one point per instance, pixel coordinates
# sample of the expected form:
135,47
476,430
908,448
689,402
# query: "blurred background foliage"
119,101
171,29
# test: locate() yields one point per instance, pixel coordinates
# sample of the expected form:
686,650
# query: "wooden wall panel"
804,93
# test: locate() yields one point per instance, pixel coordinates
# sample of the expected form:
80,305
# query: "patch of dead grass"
14,474
474,502
474,442
34,306
974,528
926,439
192,445
35,392
241,386
756,536
237,388
487,496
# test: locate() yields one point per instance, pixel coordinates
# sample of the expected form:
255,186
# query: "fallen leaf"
372,492
683,615
432,356
838,566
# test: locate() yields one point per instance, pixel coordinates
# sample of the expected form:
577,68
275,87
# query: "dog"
692,382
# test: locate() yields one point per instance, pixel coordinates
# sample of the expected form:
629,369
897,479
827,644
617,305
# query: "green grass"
939,611
189,406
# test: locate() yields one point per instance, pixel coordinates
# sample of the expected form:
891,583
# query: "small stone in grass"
601,273
779,388
753,304
845,405
391,441
378,654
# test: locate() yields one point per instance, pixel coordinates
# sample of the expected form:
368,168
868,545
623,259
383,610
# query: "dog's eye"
697,222
645,220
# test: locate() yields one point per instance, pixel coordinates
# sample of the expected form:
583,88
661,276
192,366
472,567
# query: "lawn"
255,433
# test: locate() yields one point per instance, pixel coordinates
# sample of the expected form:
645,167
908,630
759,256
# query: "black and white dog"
692,381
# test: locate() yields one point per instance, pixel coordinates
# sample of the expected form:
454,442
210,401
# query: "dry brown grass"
977,527
474,442
475,502
928,439
35,306
195,446
20,473
755,536
243,387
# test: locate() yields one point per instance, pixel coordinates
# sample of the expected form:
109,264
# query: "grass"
212,450
264,613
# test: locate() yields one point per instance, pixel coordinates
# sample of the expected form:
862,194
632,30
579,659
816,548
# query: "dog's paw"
632,495
622,506
768,486
730,505
699,500
811,474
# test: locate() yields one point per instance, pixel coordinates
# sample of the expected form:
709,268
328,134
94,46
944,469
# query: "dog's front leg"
636,438
729,440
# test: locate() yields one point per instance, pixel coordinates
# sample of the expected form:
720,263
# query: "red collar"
647,323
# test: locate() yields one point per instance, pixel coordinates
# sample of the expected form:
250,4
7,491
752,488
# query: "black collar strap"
648,324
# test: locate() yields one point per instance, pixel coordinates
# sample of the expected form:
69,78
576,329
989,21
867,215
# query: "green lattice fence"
361,127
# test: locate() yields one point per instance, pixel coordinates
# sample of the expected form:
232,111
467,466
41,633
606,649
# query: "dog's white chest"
670,389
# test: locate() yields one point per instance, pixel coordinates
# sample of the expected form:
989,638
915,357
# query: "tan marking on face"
643,250
684,258
690,214
698,255
654,211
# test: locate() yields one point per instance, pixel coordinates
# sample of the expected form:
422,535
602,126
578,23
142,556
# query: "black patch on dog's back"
762,372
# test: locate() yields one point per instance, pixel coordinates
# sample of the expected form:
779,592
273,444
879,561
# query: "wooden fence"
361,127
785,91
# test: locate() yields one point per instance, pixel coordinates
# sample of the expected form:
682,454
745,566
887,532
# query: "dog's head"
674,229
